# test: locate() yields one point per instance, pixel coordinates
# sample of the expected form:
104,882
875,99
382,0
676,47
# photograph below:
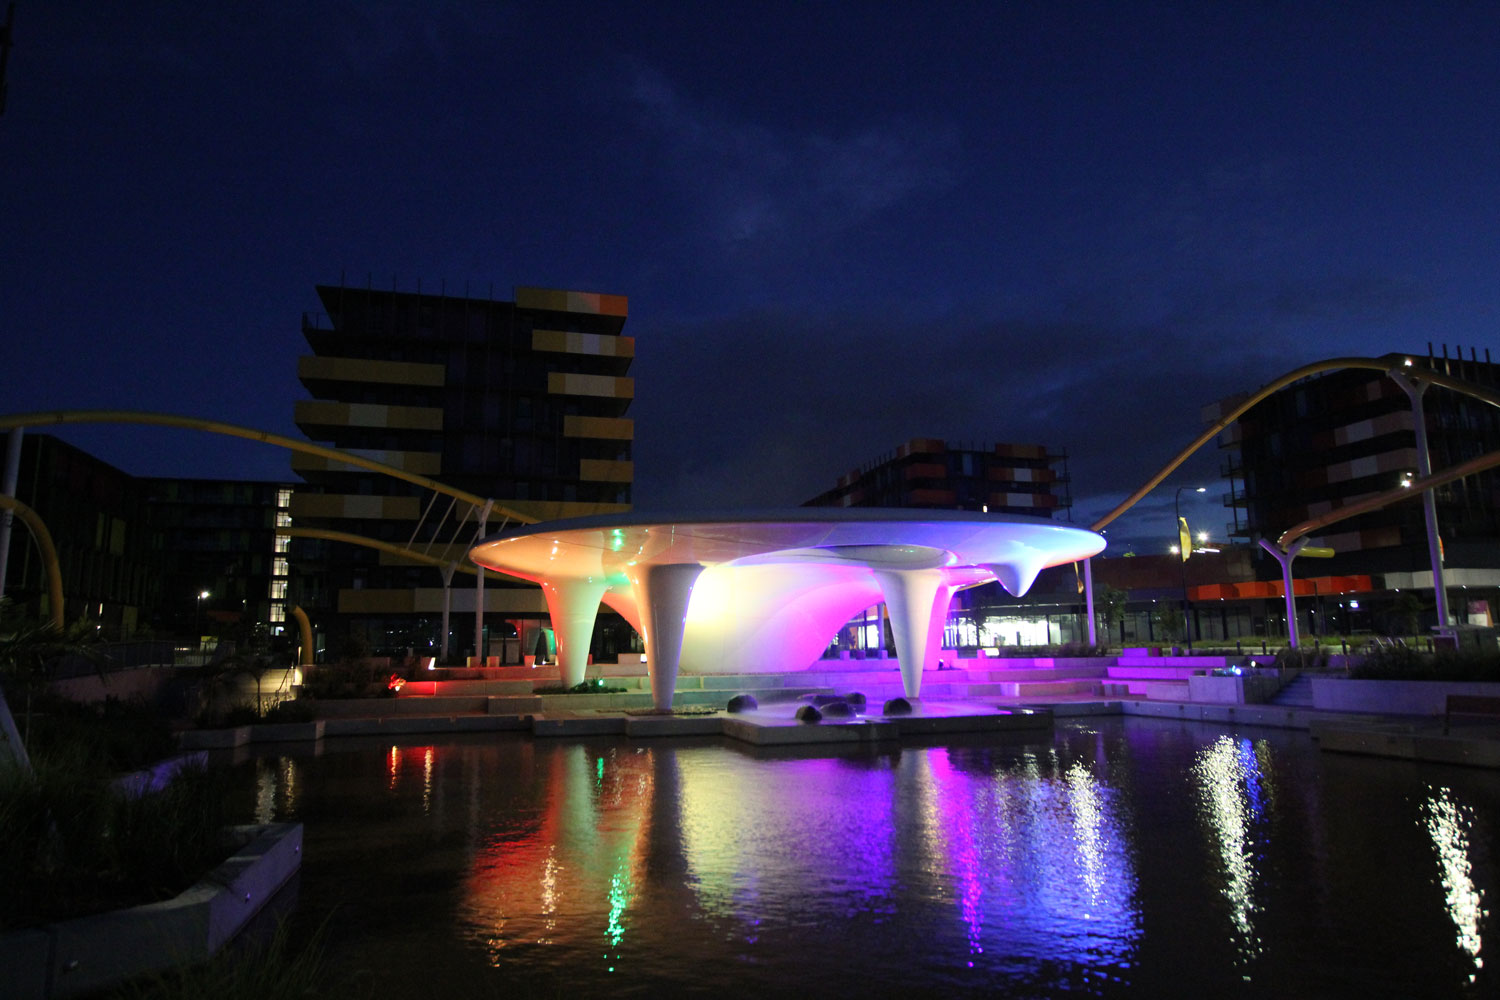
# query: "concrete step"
1297,694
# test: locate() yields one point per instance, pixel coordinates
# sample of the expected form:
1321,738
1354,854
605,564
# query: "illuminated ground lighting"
753,592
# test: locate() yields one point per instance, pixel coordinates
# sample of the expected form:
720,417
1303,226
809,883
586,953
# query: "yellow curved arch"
1386,363
1396,495
49,552
304,629
52,417
1379,364
387,547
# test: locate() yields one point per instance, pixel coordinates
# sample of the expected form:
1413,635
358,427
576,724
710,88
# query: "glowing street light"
203,595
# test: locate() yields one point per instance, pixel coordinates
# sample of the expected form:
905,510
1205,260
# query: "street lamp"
1185,549
203,595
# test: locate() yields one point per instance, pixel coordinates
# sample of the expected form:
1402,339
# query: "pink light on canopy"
750,592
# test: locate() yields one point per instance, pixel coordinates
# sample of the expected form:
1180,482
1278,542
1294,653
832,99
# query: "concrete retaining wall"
91,954
1338,694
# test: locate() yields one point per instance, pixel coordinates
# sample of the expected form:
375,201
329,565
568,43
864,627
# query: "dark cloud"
770,408
745,181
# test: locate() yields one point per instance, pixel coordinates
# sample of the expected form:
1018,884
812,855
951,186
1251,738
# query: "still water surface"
1110,858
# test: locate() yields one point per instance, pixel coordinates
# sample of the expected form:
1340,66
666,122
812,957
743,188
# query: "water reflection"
1231,805
1449,825
535,876
276,786
1033,863
1060,867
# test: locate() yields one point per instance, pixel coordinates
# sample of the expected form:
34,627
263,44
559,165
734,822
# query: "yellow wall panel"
423,463
574,384
606,428
548,510
572,342
365,370
317,411
558,300
600,470
353,506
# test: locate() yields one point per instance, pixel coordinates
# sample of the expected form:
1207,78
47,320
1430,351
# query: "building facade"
524,402
1334,439
938,475
221,538
97,517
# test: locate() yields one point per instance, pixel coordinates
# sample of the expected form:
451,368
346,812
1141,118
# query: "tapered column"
909,596
573,606
1284,559
1414,390
662,594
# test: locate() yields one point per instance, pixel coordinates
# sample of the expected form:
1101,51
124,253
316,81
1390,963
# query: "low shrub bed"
586,687
1402,663
74,844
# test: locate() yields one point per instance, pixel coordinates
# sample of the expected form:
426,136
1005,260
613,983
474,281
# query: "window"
278,612
279,566
283,543
283,519
278,590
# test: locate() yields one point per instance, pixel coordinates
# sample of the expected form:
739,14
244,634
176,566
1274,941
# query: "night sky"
840,225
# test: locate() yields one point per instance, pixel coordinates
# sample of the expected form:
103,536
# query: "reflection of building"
96,515
522,402
1330,440
219,536
929,473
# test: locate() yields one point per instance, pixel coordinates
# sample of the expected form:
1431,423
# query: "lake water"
1113,857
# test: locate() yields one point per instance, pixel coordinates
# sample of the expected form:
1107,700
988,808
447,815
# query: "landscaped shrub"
1300,658
348,679
74,844
111,735
293,710
1402,663
281,967
585,687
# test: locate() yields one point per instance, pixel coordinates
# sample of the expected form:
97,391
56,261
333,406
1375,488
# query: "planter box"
1337,694
90,954
1248,689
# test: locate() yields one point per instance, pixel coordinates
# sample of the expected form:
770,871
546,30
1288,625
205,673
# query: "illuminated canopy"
748,592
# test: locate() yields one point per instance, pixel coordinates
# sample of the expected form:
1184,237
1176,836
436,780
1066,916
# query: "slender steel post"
448,569
1088,599
484,514
8,487
1414,388
1285,560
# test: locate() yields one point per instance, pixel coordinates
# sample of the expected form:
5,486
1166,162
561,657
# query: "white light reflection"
549,896
427,781
1087,817
265,791
1229,787
1448,825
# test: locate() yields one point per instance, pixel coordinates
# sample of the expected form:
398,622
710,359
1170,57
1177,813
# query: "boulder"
897,706
743,703
809,714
